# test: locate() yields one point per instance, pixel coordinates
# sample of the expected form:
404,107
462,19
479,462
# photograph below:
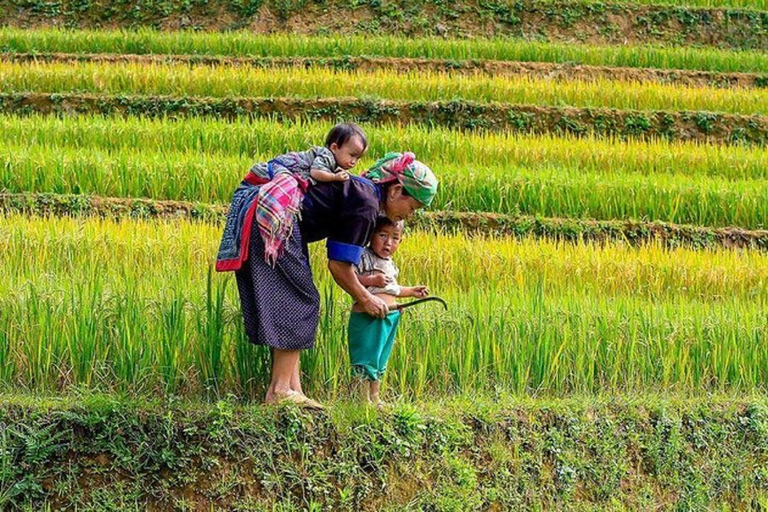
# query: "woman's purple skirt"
281,305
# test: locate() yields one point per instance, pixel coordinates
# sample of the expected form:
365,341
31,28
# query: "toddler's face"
386,240
348,154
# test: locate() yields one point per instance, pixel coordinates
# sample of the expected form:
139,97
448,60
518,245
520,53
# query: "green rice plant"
524,315
228,81
135,173
264,138
131,360
247,44
210,356
172,343
542,190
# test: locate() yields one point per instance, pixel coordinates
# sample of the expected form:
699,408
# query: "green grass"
227,81
129,306
245,44
244,138
543,190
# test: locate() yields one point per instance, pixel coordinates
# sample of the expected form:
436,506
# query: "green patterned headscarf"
416,178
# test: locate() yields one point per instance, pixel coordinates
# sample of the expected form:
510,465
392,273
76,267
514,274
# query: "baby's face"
386,240
348,154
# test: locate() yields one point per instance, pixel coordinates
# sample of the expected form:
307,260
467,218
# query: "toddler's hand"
420,291
380,280
342,176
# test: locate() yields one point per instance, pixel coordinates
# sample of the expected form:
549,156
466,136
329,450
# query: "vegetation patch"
102,452
116,208
683,126
580,230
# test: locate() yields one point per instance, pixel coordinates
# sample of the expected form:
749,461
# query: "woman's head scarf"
417,179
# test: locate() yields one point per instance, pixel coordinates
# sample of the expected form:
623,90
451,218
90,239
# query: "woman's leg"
284,364
296,377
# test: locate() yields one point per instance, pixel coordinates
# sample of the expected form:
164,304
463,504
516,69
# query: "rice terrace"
583,182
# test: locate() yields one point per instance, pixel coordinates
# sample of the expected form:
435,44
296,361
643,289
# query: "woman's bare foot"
276,395
293,397
311,404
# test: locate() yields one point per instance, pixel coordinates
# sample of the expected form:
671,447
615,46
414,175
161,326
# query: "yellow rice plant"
133,305
228,81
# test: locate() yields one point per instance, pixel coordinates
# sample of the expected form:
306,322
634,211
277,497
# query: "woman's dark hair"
342,132
386,186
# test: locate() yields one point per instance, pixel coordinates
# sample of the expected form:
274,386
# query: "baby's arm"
324,175
324,167
414,291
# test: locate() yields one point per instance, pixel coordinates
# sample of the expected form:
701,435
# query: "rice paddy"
203,161
227,81
245,44
81,303
548,191
246,138
133,305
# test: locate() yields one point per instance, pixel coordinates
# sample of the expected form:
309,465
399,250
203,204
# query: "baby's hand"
420,291
380,280
342,176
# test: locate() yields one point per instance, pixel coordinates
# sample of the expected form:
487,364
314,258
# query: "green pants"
370,343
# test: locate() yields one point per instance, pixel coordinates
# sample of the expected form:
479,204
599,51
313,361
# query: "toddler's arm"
378,280
414,291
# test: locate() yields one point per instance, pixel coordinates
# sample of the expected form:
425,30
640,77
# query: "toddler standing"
371,339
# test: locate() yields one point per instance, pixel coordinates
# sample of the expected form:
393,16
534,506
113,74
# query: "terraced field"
599,233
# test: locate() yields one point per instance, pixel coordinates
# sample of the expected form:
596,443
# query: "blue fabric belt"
348,253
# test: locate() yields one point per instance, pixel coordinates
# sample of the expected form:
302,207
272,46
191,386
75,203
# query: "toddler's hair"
342,132
383,222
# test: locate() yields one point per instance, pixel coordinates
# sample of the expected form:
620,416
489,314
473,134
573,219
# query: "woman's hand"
375,306
345,277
